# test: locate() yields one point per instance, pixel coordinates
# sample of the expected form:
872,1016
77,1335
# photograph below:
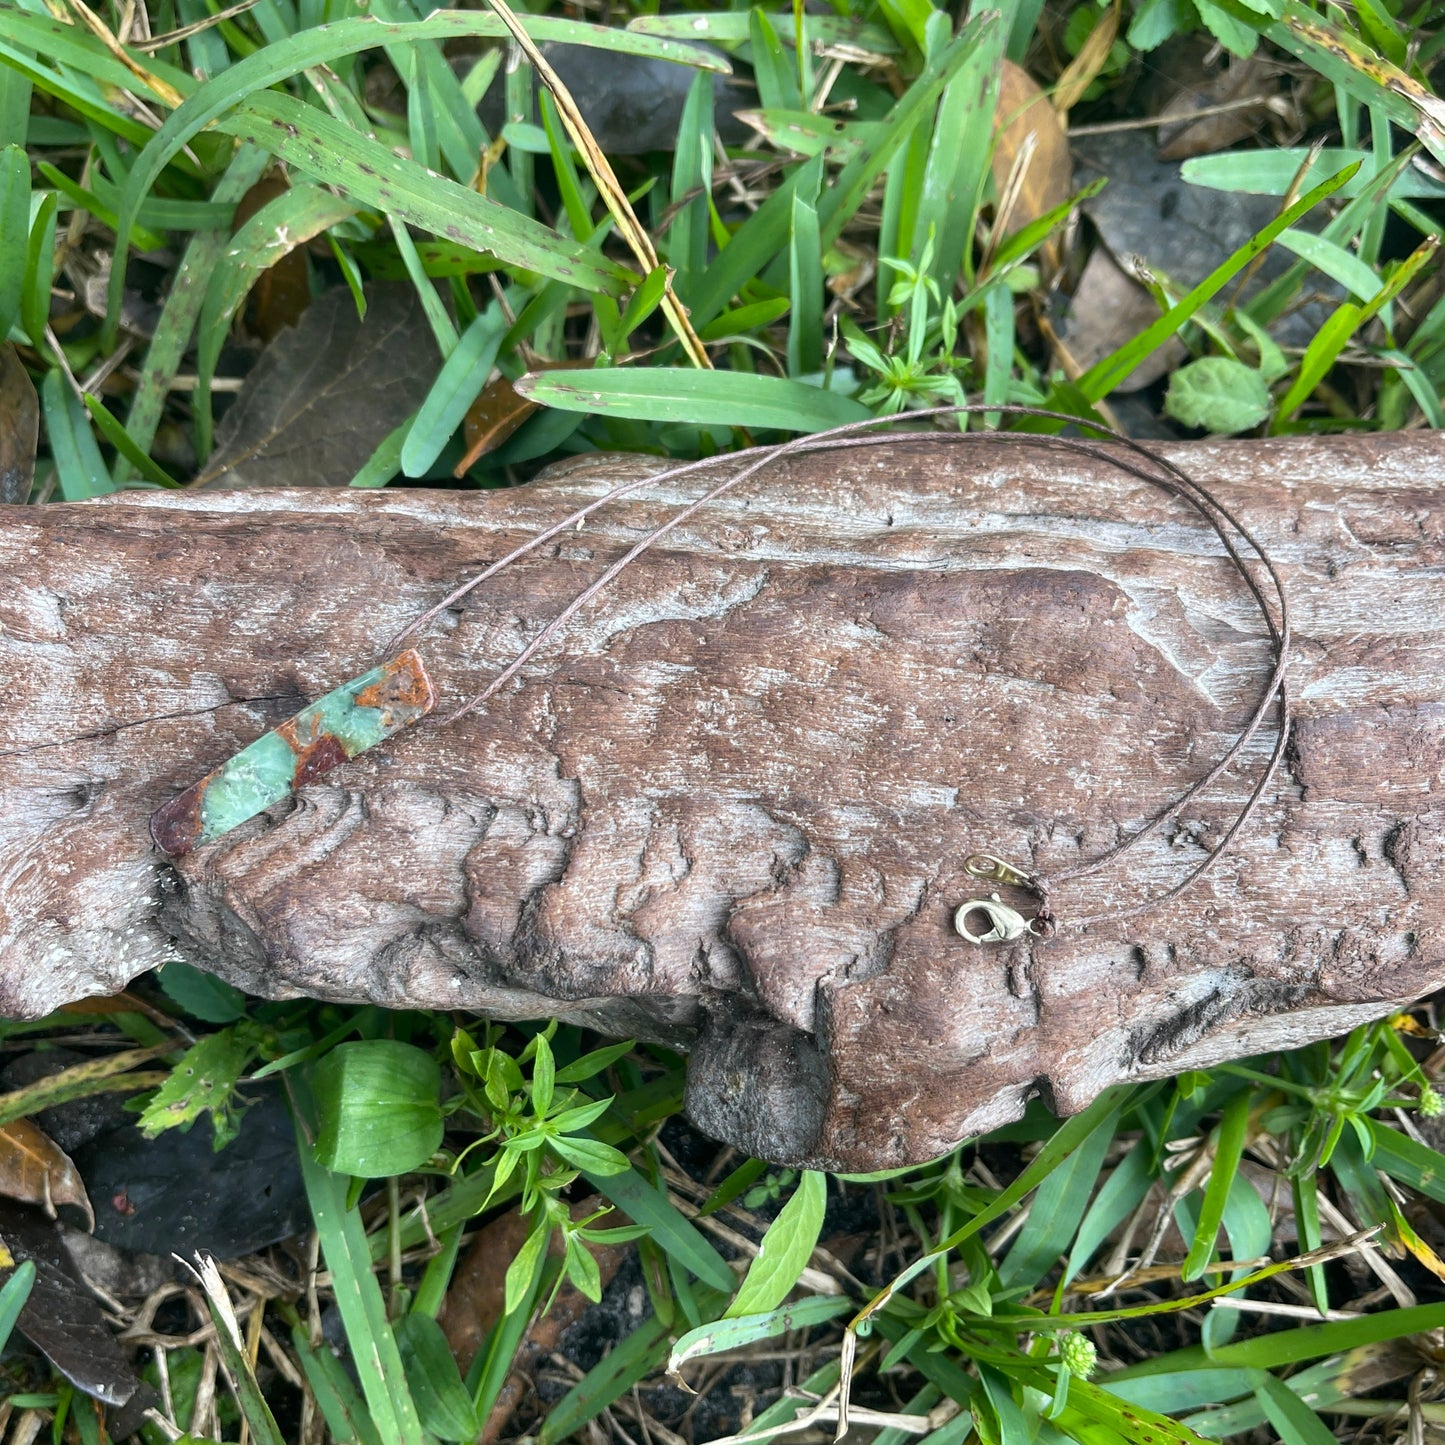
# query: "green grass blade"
183,305
672,393
638,1355
732,28
78,464
290,220
14,220
958,159
1332,338
369,172
756,243
458,384
249,78
1121,1194
358,1299
1277,172
1334,261
12,1298
1228,1150
691,171
116,434
1101,378
777,79
257,1413
1292,1347
39,273
341,1407
649,1207
805,276
1054,1217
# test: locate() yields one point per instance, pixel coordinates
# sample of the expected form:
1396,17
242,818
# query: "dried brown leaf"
326,393
1083,69
19,427
1234,103
1030,156
36,1170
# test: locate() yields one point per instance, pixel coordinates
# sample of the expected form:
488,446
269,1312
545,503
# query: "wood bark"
728,809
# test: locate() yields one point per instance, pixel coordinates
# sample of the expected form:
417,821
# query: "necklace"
397,692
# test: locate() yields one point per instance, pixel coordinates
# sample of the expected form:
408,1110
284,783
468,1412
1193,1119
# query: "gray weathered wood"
729,809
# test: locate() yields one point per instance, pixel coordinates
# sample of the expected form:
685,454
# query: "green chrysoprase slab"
356,716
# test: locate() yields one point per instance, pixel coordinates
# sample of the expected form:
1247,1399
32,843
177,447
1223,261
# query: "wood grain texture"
729,808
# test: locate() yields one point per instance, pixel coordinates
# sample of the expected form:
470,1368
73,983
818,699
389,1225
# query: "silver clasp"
1008,923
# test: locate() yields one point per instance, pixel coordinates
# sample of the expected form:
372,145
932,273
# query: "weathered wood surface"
730,808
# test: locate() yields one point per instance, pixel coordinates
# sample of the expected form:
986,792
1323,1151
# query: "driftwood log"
729,808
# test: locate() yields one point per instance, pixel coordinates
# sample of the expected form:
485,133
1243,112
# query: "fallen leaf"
19,427
283,290
498,411
1183,231
1108,308
62,1318
327,392
1030,156
177,1194
1244,85
36,1170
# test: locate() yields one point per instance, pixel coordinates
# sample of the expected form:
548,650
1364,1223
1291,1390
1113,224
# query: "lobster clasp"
1008,923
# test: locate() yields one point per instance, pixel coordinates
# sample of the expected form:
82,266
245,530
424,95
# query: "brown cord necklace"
397,692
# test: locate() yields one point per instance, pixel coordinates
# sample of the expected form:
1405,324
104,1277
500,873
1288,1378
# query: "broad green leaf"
203,1081
1276,172
1294,1422
442,1403
734,1331
458,384
786,1248
674,393
202,995
1219,395
1224,22
378,1105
